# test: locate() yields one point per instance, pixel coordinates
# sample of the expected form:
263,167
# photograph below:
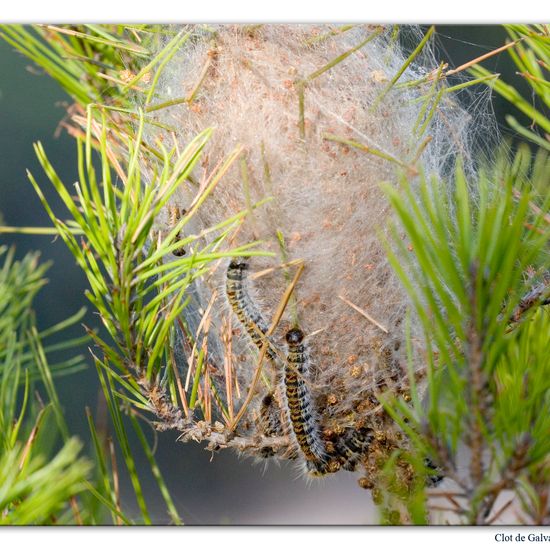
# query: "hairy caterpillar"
270,421
436,476
301,409
243,306
351,446
174,216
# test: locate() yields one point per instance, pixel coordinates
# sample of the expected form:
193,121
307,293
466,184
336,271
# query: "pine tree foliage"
42,472
477,271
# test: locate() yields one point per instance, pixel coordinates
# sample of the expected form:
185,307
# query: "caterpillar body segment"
270,416
351,446
301,409
436,476
175,214
270,422
245,309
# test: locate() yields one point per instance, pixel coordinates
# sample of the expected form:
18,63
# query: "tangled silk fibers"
275,90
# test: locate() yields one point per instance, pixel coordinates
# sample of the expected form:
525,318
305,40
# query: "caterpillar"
435,477
269,422
243,306
351,446
303,417
174,216
273,423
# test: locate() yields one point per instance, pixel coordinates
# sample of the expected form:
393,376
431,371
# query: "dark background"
208,489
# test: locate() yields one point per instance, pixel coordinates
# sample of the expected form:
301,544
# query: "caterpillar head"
239,264
268,400
294,336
